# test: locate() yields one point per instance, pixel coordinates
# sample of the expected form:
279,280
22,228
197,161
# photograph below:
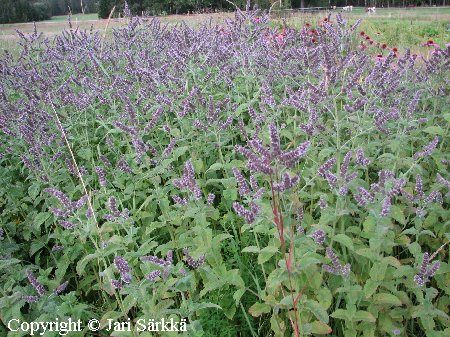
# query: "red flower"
362,33
367,37
430,43
313,40
383,46
394,50
370,41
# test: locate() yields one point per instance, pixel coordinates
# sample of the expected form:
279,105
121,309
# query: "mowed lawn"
396,27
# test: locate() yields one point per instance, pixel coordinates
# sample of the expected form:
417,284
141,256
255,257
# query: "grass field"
397,27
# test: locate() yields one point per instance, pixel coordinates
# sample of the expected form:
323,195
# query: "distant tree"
104,9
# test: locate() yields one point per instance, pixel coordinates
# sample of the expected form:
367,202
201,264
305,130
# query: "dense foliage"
255,181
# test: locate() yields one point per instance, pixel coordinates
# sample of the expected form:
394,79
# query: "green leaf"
8,263
397,214
434,130
386,299
378,271
340,314
344,240
266,253
81,265
364,316
320,328
251,249
34,190
370,287
85,153
230,194
40,218
258,309
215,167
128,303
318,311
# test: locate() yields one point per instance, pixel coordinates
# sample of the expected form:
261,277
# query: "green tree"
104,8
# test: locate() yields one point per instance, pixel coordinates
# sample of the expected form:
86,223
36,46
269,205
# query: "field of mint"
256,181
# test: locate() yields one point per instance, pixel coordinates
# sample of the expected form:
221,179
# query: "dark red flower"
383,46
362,33
394,50
367,37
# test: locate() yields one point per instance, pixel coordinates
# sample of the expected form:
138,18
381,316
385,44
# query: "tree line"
12,11
35,10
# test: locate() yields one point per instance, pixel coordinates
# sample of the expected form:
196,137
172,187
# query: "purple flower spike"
195,264
210,199
35,283
61,288
274,139
386,207
244,189
123,268
426,272
337,268
153,275
30,299
319,236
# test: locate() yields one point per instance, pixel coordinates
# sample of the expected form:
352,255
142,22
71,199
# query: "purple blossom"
101,176
325,167
427,149
116,284
244,189
35,283
61,288
248,215
168,150
319,236
179,200
274,139
152,276
156,261
123,268
426,271
286,182
105,160
66,224
30,299
345,164
210,199
360,159
386,207
193,263
123,166
336,268
323,203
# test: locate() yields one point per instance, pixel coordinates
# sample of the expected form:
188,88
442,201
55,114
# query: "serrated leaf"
344,240
364,316
340,314
378,271
397,214
215,167
81,265
251,249
386,299
318,311
370,287
266,253
258,309
434,130
320,328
